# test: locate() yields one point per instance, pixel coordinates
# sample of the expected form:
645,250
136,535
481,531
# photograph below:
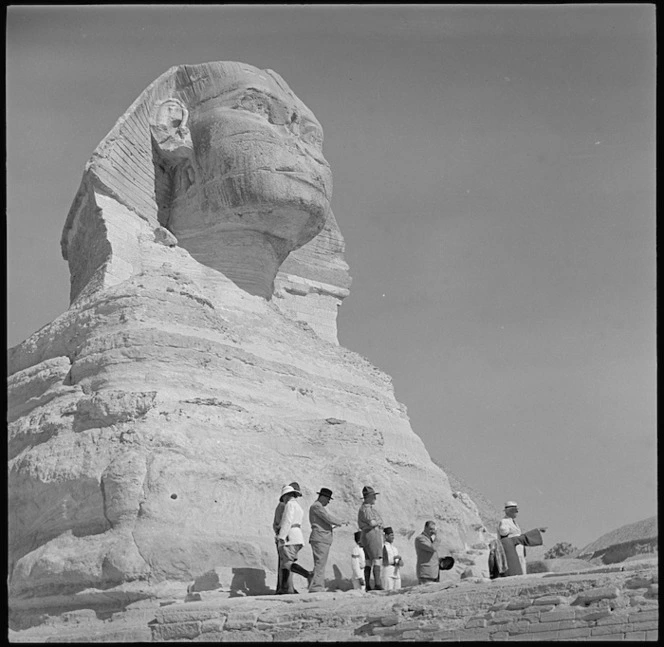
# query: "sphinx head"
240,177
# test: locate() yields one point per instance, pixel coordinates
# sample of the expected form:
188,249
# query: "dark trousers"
424,580
280,583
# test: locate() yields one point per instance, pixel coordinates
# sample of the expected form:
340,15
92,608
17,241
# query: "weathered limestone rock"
197,368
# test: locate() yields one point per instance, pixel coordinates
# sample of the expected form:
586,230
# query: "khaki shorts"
288,554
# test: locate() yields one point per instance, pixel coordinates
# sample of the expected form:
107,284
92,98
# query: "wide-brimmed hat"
287,489
511,504
325,492
367,490
388,530
446,563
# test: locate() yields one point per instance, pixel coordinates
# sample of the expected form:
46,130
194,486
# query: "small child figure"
357,563
392,563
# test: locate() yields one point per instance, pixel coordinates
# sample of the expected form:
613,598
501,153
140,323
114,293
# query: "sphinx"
197,369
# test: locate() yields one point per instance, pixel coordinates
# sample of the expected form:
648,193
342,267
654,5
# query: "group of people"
374,552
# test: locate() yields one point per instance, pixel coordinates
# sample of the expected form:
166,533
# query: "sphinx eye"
255,103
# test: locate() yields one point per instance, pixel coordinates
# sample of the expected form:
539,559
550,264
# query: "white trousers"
357,585
391,578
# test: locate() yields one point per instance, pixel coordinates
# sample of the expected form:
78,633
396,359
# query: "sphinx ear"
168,126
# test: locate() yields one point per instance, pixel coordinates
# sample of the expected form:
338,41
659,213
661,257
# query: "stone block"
500,635
543,627
412,634
638,583
447,636
263,626
410,624
651,635
388,621
559,614
386,631
335,635
473,634
648,625
216,624
529,637
603,638
287,635
564,634
539,609
549,599
520,603
286,624
600,593
186,613
518,627
613,619
492,629
572,624
475,623
309,624
641,616
653,591
635,636
246,637
241,620
176,631
609,629
589,616
210,637
644,603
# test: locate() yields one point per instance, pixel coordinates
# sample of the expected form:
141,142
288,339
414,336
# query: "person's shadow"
248,581
339,583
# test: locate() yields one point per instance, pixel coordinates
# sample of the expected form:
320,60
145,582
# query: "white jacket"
291,524
357,562
508,528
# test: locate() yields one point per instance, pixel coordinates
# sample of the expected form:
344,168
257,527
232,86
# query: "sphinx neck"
249,258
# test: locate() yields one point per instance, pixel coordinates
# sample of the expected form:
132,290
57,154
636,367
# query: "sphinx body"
197,369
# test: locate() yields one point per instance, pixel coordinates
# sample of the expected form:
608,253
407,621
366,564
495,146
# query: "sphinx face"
257,165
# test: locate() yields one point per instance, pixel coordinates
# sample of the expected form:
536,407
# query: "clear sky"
494,178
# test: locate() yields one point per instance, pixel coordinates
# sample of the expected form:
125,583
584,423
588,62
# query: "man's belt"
296,525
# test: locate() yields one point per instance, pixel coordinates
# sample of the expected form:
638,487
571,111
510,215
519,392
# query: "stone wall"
611,603
600,605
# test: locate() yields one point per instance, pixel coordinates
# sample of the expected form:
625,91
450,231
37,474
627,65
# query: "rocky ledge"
611,603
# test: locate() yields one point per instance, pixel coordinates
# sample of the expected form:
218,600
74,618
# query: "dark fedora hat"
367,490
388,530
446,563
325,492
